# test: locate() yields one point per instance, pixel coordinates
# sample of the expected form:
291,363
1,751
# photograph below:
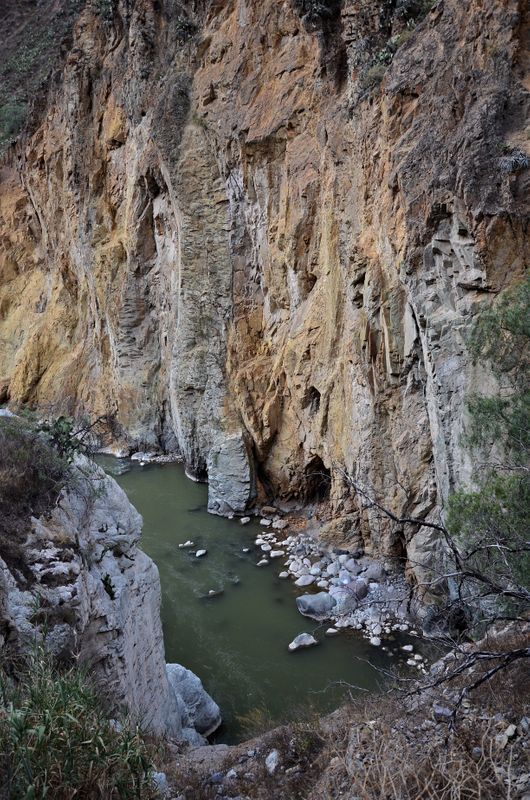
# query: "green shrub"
12,117
56,741
35,463
373,76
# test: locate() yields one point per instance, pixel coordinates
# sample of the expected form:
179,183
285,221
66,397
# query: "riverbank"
231,621
418,741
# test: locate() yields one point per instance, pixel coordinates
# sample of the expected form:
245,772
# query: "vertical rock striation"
255,245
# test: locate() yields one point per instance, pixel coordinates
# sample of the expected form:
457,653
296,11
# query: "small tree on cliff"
490,525
486,570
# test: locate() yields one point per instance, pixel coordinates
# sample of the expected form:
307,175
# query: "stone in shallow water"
302,640
189,543
279,524
200,553
244,520
265,522
266,548
375,641
277,553
332,632
262,563
283,575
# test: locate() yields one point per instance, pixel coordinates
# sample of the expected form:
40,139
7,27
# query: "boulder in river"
302,640
203,712
200,553
316,605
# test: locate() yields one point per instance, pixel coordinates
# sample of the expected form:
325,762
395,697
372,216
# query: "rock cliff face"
243,234
94,593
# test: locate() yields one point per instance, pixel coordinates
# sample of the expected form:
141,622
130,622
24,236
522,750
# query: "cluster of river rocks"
344,588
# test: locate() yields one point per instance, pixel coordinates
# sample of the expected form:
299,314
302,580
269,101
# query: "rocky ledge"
86,589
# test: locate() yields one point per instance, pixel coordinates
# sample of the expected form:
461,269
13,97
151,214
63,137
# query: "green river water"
237,642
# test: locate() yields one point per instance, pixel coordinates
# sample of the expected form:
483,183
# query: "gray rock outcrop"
99,596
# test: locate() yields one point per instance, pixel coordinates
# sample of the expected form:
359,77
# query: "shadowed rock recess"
257,233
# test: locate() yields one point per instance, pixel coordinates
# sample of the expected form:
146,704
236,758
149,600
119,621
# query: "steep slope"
243,234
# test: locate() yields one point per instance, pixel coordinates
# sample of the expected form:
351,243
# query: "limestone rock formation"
241,232
89,590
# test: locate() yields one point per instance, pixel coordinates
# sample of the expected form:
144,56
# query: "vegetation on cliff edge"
56,740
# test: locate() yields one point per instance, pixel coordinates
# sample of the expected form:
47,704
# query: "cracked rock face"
100,597
240,250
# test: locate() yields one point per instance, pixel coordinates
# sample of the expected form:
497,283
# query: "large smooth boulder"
316,605
203,712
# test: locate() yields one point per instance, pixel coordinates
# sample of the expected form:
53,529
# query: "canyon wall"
242,233
83,587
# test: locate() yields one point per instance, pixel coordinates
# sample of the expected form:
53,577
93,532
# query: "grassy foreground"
56,740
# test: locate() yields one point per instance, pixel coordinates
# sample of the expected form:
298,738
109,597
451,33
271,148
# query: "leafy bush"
314,11
57,742
373,76
105,9
32,471
35,463
12,117
184,28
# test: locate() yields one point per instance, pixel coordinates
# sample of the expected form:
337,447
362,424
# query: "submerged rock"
302,640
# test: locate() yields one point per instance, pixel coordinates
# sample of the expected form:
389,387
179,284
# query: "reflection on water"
236,641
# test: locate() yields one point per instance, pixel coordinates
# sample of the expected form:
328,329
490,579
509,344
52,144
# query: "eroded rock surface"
241,246
88,590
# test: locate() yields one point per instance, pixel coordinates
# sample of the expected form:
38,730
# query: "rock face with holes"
99,597
237,237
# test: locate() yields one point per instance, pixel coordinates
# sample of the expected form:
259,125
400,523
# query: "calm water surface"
236,642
